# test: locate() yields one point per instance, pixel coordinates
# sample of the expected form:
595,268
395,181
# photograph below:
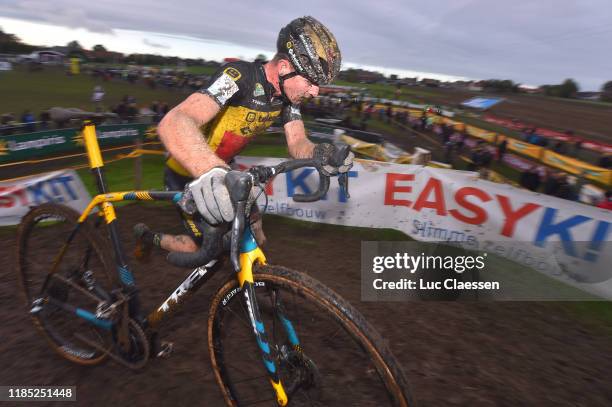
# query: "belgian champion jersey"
248,108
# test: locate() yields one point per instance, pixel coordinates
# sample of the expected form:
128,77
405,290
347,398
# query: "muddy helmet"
311,48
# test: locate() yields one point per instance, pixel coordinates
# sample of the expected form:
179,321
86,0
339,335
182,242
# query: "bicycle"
85,302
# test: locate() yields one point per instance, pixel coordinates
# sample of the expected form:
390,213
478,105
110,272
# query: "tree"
10,44
98,48
606,92
568,88
74,45
75,50
261,58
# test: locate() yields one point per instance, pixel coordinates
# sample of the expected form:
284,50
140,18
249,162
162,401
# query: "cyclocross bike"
315,347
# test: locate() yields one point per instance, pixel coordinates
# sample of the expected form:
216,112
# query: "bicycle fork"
249,254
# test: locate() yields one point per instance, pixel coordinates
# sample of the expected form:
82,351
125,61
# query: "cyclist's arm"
181,135
297,143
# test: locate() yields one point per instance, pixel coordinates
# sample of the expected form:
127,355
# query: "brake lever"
186,203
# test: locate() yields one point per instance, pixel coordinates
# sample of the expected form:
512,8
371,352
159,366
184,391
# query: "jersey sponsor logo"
295,111
223,88
259,90
258,102
232,73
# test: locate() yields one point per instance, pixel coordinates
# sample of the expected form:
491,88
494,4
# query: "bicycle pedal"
37,306
165,349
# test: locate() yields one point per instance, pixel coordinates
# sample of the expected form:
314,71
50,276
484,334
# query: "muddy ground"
487,354
589,120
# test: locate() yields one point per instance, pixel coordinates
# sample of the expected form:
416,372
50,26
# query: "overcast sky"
529,41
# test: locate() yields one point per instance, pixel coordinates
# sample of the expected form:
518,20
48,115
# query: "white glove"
212,197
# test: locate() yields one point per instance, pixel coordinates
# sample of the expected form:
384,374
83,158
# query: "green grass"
120,175
201,70
595,313
38,91
409,94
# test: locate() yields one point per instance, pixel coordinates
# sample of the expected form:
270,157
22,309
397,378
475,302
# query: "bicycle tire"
38,232
326,301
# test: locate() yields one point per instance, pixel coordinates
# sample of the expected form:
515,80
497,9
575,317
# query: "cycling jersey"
248,107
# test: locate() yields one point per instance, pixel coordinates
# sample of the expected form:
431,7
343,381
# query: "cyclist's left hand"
334,159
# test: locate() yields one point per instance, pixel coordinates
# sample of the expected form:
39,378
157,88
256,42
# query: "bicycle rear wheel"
81,280
341,361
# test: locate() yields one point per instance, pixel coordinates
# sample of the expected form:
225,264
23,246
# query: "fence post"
138,165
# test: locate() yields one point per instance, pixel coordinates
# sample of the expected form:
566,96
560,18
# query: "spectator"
606,203
155,108
461,141
605,161
97,97
525,134
530,179
576,184
164,109
44,119
533,138
121,111
448,151
7,124
28,119
423,121
564,189
551,185
132,112
501,149
559,147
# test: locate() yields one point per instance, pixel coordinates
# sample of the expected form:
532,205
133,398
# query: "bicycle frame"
249,254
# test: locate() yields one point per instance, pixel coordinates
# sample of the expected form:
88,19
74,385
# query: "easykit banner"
16,197
562,239
18,147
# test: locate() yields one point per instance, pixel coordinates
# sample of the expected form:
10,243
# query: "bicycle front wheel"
340,361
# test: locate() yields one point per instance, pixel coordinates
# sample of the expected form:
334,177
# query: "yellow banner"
481,133
577,167
368,149
525,148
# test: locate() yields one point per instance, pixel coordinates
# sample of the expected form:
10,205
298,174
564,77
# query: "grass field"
38,91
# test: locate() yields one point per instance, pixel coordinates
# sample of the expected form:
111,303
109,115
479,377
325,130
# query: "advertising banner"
562,239
578,167
18,147
486,135
16,197
527,149
481,103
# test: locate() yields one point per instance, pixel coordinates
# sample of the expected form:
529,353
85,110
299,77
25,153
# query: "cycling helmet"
311,48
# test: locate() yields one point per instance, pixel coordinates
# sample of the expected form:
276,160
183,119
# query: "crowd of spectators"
127,111
151,77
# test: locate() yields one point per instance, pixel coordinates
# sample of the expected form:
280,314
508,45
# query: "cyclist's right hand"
212,197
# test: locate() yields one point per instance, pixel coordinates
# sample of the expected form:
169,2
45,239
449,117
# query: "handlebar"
239,184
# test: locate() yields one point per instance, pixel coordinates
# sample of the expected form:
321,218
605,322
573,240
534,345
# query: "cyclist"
242,100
